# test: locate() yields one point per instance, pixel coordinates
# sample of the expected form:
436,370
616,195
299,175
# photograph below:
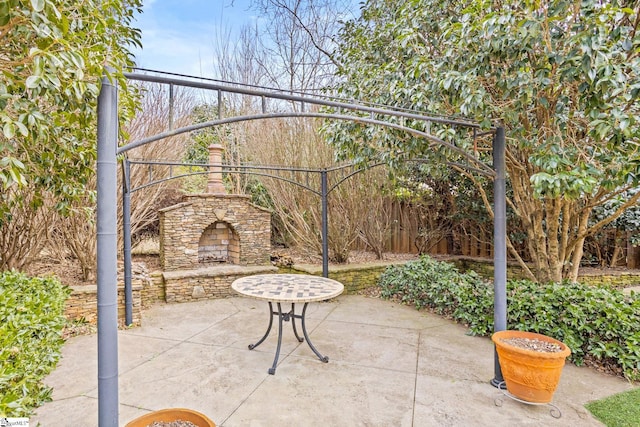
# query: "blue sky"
178,35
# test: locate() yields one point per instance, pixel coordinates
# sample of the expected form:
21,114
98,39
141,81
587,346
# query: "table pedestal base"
286,316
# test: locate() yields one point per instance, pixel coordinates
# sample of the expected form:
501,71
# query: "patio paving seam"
358,364
140,333
146,360
164,352
415,381
245,399
383,325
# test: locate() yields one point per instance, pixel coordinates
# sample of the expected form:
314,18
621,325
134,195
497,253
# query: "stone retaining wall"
484,267
354,277
215,282
615,279
83,301
619,280
83,304
153,292
206,283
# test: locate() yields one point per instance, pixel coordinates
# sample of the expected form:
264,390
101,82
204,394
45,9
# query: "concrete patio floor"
390,365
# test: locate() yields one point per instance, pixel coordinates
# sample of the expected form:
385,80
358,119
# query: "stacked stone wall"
215,282
83,301
82,304
484,267
615,279
206,283
619,280
153,290
354,277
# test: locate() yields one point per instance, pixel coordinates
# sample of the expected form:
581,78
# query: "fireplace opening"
219,243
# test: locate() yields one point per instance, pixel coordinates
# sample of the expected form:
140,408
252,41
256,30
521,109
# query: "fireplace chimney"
214,183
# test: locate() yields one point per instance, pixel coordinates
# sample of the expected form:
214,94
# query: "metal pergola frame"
108,150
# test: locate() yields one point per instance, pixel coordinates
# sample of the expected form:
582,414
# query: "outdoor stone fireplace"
219,243
208,230
210,239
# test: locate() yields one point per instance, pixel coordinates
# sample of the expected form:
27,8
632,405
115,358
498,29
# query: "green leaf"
32,82
30,339
22,128
37,5
68,44
9,130
5,13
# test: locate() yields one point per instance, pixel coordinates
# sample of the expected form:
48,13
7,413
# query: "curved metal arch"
240,166
434,140
239,169
280,178
278,94
250,170
253,170
355,172
290,181
374,165
491,174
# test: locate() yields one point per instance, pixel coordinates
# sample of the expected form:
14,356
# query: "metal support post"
499,245
325,225
126,236
107,277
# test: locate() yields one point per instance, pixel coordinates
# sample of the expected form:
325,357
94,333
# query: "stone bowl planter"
531,372
173,414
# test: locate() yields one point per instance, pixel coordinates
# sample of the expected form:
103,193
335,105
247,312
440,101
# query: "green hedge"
593,321
31,323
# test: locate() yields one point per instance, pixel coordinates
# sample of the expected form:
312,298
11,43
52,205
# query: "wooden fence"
411,232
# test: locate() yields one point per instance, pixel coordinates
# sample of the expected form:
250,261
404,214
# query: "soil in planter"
176,423
533,344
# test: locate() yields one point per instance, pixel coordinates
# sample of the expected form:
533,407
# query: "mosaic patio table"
287,288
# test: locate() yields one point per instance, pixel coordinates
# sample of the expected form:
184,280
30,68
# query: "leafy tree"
562,77
52,56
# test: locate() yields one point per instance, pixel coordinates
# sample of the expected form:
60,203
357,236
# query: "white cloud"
173,40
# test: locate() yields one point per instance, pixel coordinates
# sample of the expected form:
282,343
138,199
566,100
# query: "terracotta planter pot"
173,414
530,375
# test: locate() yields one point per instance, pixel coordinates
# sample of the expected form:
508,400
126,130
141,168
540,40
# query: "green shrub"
595,322
439,286
31,323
